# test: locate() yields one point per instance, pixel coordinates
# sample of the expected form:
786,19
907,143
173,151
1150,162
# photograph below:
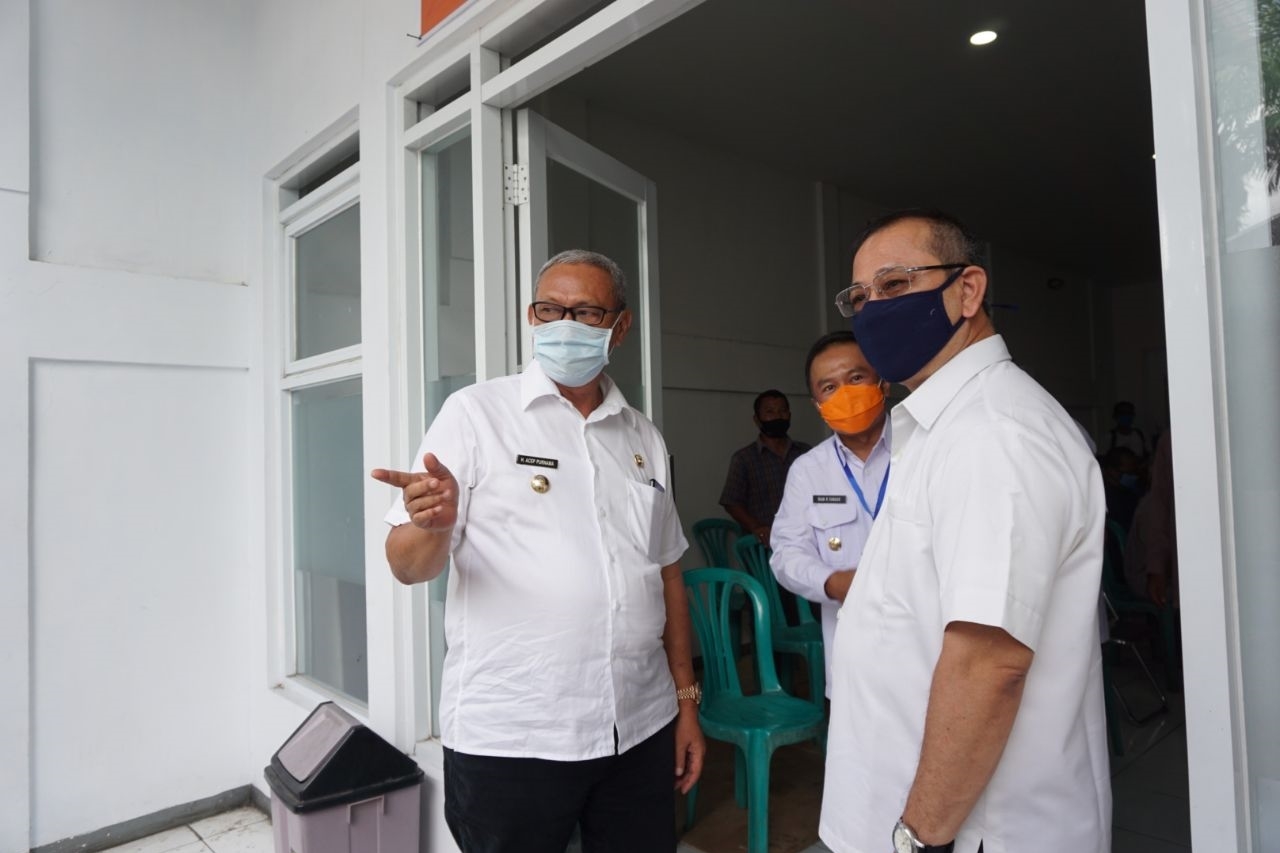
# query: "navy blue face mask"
899,336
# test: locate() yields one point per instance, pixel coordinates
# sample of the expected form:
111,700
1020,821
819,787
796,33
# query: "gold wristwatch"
693,691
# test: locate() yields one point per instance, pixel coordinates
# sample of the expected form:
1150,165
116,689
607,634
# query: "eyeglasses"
890,283
592,315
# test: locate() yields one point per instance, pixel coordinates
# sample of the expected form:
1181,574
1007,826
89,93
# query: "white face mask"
571,353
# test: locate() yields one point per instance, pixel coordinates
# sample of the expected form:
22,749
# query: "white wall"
126,428
1135,318
137,131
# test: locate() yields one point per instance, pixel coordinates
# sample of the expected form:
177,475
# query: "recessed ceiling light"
981,38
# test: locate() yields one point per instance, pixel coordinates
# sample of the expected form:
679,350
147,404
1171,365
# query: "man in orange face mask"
834,491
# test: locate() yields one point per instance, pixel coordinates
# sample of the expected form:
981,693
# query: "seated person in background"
1122,483
758,472
1124,433
1151,551
835,490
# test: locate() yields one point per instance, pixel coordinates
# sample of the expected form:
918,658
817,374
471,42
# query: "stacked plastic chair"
757,724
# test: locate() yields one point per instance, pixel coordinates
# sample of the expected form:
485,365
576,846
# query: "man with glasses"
967,691
568,694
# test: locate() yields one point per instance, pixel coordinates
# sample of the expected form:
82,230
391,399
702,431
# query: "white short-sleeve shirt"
555,608
994,515
821,525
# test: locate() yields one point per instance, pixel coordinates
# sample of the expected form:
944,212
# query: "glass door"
581,198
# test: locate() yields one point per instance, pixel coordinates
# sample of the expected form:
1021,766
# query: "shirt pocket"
833,530
646,509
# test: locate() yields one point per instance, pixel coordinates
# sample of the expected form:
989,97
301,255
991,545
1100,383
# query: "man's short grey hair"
592,259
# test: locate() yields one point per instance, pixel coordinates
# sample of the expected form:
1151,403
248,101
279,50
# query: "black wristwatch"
905,841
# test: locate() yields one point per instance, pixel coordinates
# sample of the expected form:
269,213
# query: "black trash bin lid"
333,758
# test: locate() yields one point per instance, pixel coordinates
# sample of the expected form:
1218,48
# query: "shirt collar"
535,384
928,401
761,447
882,444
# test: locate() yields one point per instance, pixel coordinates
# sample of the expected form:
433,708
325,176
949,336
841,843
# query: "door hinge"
515,184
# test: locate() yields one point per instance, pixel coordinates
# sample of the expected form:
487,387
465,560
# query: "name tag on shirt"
830,499
538,461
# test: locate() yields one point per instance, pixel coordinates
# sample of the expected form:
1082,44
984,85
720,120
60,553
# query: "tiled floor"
242,830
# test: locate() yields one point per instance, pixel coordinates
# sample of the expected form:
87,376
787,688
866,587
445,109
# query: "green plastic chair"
758,724
803,638
715,537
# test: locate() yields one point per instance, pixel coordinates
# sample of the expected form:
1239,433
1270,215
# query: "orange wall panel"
435,11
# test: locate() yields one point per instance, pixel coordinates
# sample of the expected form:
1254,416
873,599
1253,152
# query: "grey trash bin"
337,787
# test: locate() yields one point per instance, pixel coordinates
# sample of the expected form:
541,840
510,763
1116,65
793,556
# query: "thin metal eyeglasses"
592,315
889,283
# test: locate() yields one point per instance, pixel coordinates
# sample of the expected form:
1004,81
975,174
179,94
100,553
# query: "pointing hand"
430,496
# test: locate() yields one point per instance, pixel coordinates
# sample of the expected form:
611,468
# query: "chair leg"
739,777
758,799
690,806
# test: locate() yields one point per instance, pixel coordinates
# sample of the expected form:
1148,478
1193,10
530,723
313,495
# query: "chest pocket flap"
828,516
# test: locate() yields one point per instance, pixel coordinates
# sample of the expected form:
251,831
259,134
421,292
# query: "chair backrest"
715,536
709,592
754,557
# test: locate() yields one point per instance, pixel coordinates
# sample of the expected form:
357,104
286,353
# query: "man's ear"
973,291
620,328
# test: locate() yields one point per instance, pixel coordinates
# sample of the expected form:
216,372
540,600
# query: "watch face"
902,842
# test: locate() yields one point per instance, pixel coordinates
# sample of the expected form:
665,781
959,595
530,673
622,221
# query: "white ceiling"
1040,141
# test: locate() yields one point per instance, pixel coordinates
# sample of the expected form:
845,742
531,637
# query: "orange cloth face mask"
852,408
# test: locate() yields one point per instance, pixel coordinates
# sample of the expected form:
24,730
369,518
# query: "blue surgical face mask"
900,336
571,353
1129,481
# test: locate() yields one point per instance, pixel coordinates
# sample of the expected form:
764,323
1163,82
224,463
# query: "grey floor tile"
1123,841
1139,809
162,842
245,838
219,823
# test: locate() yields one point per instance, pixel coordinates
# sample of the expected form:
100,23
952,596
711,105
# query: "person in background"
758,472
1124,433
966,698
1122,484
568,694
835,490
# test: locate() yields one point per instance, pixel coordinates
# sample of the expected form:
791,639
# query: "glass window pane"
448,322
328,536
327,285
1245,67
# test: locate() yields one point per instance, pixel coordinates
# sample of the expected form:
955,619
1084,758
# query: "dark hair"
1122,406
765,395
949,239
821,345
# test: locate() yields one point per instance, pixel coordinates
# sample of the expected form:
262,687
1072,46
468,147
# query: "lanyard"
857,490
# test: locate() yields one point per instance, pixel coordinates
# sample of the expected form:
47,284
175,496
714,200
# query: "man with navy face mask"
966,698
568,692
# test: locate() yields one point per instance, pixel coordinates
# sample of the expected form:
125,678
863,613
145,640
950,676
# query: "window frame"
289,216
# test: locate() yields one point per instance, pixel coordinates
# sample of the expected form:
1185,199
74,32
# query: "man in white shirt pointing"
568,694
